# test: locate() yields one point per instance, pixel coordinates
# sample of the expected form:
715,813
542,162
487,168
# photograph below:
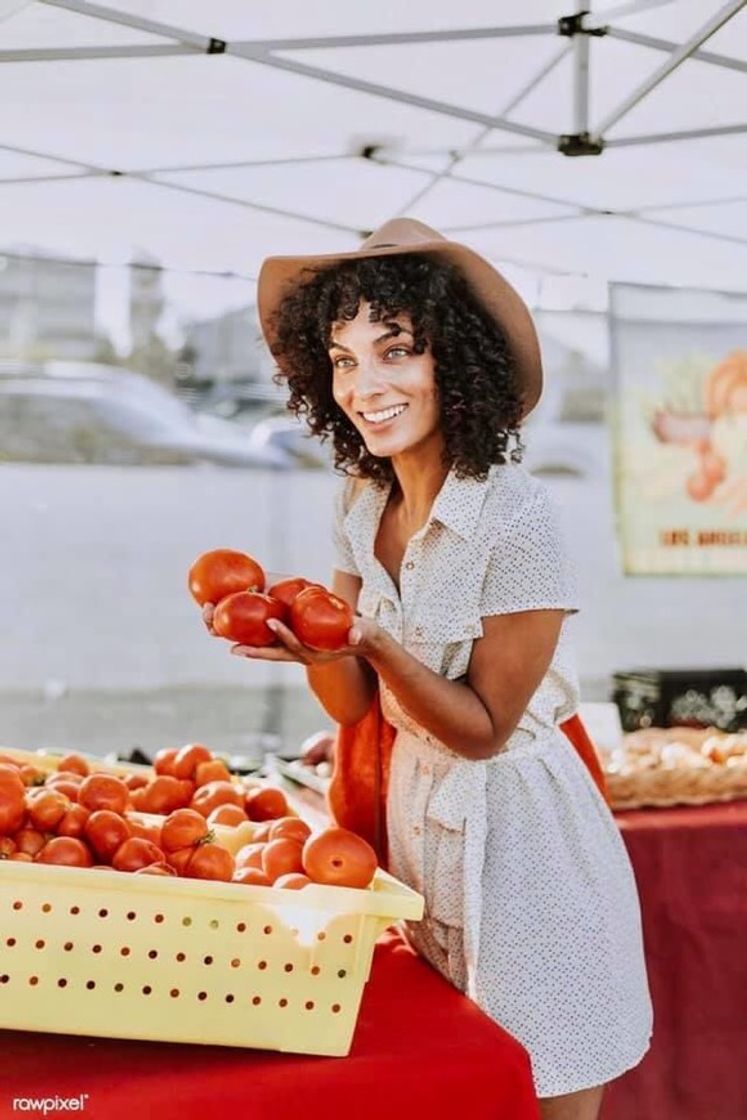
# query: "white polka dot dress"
531,904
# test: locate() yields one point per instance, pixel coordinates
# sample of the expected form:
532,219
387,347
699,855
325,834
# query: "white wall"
93,564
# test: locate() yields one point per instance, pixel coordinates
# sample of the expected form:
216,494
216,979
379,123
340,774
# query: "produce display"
677,766
235,584
160,823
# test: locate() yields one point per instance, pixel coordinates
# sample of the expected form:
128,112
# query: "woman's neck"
419,478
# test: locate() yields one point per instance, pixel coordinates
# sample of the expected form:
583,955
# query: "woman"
420,361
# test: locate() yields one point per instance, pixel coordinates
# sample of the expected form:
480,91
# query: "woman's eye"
343,363
397,352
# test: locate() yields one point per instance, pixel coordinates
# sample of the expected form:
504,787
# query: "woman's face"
386,389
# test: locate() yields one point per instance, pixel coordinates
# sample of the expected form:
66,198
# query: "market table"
421,1049
691,868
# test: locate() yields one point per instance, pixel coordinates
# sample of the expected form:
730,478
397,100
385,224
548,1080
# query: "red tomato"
65,850
104,791
163,763
47,808
30,841
69,789
219,573
135,781
163,795
7,847
179,859
286,590
210,796
135,853
12,807
188,758
292,882
74,821
320,619
146,830
251,876
261,834
266,804
210,861
291,827
106,832
213,771
242,618
10,776
32,775
156,869
8,760
230,815
184,828
22,857
75,763
137,799
281,857
339,857
250,856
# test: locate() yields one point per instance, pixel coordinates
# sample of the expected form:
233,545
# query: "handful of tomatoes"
78,818
235,584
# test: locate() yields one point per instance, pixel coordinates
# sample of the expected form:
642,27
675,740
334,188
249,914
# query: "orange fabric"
363,751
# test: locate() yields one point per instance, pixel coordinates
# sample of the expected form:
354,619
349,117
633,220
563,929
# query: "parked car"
79,412
286,435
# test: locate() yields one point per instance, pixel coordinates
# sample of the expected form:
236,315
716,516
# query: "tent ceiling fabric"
212,135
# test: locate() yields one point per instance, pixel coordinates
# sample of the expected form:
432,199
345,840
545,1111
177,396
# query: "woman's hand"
363,640
208,610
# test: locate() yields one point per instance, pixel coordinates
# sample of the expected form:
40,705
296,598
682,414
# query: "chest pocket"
441,634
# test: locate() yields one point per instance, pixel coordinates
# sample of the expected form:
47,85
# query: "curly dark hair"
481,404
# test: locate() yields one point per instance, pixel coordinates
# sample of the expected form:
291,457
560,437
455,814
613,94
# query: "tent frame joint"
216,46
580,144
569,26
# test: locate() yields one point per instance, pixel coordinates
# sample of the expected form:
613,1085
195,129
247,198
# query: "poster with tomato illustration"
680,420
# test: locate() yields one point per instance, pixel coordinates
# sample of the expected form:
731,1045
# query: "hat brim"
279,275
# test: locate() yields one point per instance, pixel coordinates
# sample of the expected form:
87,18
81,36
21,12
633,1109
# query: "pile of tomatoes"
235,584
78,818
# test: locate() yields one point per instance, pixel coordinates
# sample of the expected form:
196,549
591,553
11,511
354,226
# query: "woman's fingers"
208,610
263,653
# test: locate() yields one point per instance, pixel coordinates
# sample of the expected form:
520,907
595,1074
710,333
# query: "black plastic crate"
682,698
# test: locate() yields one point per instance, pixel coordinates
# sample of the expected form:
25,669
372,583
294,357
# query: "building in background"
47,309
227,347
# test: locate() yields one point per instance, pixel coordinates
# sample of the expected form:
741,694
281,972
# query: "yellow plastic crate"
182,960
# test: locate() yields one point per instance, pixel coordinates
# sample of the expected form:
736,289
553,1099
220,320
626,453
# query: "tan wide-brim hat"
279,275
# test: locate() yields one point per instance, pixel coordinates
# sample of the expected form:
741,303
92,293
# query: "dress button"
410,565
416,829
418,631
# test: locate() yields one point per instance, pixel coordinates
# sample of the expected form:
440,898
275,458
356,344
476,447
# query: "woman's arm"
507,666
346,687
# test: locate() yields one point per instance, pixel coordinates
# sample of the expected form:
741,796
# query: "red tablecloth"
421,1050
691,868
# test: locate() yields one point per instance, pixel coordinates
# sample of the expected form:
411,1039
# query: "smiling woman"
420,361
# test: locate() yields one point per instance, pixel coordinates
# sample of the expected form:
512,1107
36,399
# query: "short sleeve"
529,567
344,559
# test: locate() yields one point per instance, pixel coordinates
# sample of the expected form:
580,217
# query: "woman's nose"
369,381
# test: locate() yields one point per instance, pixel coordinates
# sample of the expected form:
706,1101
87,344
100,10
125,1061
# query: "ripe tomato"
46,808
7,847
294,881
145,829
230,815
135,853
163,795
65,850
261,834
339,857
22,857
137,799
156,869
135,781
320,619
30,841
210,796
75,763
32,775
213,771
74,821
281,857
210,861
250,876
250,856
10,776
12,807
104,791
292,827
106,832
184,828
68,788
163,763
243,617
188,759
8,760
286,590
179,859
219,573
265,804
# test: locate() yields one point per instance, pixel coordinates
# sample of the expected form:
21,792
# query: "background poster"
680,365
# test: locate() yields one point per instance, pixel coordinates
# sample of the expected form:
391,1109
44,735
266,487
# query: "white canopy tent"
608,145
